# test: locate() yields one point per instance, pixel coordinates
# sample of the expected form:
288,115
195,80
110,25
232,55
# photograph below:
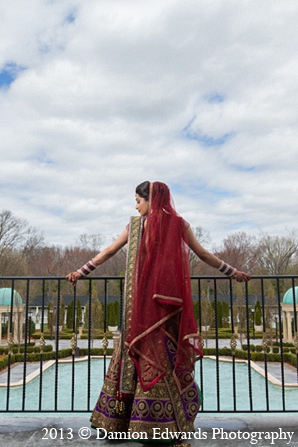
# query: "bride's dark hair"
143,190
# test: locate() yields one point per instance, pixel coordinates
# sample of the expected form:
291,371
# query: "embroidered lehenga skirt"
122,405
161,409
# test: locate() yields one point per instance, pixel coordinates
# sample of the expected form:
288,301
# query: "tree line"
23,252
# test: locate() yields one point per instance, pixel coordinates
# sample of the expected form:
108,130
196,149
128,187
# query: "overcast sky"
98,96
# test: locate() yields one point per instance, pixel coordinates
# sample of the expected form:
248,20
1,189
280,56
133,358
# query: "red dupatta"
162,305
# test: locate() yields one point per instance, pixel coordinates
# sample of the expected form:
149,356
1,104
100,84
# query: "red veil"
162,306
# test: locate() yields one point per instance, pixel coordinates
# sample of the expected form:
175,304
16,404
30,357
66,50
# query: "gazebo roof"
5,297
288,296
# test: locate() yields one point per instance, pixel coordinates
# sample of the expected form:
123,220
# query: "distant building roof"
37,300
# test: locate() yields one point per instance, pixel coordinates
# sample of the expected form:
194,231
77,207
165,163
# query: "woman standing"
150,383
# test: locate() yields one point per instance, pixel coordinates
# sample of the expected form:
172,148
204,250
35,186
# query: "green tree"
70,315
217,312
112,314
117,313
196,310
258,314
96,315
225,313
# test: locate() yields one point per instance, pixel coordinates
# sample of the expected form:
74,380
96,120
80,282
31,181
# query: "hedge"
288,357
68,336
96,351
30,349
255,356
63,353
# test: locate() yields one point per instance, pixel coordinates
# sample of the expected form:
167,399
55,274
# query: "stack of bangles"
87,268
227,270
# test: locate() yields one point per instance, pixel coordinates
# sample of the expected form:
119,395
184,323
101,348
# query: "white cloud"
107,90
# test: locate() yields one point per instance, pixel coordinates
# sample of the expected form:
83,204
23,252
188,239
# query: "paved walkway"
278,430
290,372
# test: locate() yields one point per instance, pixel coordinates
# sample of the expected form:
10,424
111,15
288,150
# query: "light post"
253,322
30,313
51,323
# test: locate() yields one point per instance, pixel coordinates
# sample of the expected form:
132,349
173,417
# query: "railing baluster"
233,344
57,349
27,326
10,344
249,360
41,352
74,350
295,323
216,345
105,327
200,331
89,346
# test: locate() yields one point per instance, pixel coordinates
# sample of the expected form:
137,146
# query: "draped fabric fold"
162,306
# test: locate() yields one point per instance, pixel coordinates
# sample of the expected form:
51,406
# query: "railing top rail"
122,277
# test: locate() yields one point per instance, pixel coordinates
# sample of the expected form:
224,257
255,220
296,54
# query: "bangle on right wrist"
87,268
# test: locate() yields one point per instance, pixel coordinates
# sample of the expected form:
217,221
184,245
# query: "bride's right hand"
73,277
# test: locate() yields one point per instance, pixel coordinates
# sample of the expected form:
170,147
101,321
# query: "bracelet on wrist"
226,269
87,268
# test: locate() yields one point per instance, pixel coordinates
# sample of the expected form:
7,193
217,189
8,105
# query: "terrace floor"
277,430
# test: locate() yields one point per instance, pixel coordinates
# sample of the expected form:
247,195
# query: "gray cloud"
201,95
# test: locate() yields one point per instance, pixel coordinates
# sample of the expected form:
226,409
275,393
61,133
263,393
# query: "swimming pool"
217,390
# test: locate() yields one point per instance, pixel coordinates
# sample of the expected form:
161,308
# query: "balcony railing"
56,342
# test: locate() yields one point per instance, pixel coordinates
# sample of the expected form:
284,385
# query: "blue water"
212,399
221,397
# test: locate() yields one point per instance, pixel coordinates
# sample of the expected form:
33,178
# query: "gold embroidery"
159,323
127,380
163,297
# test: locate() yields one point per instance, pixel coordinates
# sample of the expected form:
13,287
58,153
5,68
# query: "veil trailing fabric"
162,305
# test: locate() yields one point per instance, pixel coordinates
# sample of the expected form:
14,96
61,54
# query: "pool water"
224,400
212,400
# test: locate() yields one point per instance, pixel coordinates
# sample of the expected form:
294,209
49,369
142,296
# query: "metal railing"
246,367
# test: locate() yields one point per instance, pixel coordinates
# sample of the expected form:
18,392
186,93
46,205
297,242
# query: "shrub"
251,347
96,351
48,348
3,362
291,358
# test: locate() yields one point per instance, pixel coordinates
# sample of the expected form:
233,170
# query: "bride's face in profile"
142,205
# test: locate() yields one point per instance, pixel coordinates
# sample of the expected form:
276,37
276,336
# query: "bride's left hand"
241,276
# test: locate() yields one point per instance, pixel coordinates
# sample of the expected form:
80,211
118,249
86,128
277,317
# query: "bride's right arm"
100,258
